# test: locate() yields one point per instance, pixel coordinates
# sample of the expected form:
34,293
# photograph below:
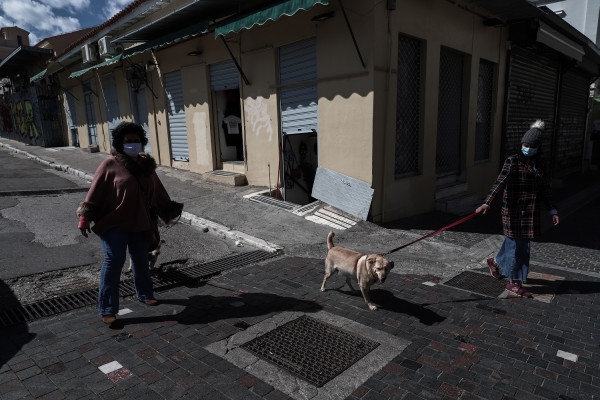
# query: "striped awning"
38,76
274,12
182,34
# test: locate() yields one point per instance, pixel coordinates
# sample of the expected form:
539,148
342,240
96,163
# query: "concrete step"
234,166
463,203
226,177
450,190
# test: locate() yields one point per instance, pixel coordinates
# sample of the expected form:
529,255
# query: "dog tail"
329,240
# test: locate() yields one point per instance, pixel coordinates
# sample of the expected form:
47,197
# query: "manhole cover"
478,283
310,349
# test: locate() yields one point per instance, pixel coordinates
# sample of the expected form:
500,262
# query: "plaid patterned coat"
526,187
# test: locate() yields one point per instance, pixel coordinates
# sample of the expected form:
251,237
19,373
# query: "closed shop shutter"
224,76
299,104
140,112
90,115
531,96
72,117
111,101
572,113
176,111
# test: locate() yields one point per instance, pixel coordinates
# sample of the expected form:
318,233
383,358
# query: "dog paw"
372,307
322,289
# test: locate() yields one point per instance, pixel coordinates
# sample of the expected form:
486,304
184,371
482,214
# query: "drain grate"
274,202
478,283
312,350
161,280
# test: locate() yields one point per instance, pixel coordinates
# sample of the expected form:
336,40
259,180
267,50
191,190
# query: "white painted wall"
582,15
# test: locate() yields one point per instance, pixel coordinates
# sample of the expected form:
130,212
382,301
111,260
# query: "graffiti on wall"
257,114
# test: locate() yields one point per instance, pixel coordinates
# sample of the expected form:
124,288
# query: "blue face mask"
528,151
132,149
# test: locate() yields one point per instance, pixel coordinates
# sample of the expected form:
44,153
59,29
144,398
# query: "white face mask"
132,149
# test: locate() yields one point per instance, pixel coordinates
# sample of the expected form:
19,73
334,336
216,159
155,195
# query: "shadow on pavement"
205,309
14,337
386,300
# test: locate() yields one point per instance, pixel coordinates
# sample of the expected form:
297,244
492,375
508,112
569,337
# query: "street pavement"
445,329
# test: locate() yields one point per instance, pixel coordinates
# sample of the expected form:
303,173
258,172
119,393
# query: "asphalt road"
38,231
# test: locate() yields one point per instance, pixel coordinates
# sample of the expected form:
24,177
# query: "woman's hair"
123,129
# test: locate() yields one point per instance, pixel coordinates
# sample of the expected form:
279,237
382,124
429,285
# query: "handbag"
153,234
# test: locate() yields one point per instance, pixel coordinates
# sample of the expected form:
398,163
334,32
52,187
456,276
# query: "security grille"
176,109
299,102
531,95
449,112
90,115
483,127
310,349
111,102
408,110
568,147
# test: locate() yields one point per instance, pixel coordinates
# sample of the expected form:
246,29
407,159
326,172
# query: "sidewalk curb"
51,164
200,222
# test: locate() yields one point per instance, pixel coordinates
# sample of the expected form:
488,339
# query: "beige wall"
436,24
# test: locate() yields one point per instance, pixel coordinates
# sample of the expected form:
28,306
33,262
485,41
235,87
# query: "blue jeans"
115,243
513,258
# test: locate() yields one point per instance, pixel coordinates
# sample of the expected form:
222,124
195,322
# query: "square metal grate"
479,283
312,350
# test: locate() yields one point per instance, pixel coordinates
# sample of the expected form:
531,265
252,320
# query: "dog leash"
460,221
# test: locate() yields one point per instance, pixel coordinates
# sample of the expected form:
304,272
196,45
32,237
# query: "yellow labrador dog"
366,268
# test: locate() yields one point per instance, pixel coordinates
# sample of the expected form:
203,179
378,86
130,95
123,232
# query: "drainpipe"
155,60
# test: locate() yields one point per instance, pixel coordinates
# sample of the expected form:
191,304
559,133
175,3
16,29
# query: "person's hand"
482,209
84,226
555,219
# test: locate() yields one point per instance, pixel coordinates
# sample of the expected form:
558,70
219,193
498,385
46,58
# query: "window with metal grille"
447,160
408,107
483,127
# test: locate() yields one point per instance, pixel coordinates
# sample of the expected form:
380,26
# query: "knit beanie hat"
534,135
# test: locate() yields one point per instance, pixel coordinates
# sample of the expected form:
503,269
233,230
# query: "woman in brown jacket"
526,185
124,195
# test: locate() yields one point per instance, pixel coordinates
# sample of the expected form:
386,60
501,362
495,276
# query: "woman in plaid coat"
526,188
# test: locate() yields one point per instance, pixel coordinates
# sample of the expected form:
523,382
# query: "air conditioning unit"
88,53
106,48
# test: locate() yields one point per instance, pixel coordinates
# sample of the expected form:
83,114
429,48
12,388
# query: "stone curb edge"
199,222
191,219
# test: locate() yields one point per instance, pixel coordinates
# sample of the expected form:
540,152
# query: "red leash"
460,221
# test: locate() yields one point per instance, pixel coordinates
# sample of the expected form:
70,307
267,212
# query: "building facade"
411,98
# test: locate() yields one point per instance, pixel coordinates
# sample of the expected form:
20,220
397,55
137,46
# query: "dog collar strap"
363,258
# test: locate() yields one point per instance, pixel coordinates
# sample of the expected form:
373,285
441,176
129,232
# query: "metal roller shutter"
568,145
531,96
176,110
299,104
111,101
224,76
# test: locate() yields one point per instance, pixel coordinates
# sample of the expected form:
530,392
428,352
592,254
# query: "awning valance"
165,40
102,64
274,12
38,76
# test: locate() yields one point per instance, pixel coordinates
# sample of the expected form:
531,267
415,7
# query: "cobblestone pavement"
460,345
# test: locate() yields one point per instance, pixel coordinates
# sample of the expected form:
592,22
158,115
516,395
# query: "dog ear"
390,264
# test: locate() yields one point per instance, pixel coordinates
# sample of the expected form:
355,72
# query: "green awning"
182,34
288,7
102,64
165,40
37,76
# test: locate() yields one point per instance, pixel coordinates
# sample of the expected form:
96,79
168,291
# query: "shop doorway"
229,125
